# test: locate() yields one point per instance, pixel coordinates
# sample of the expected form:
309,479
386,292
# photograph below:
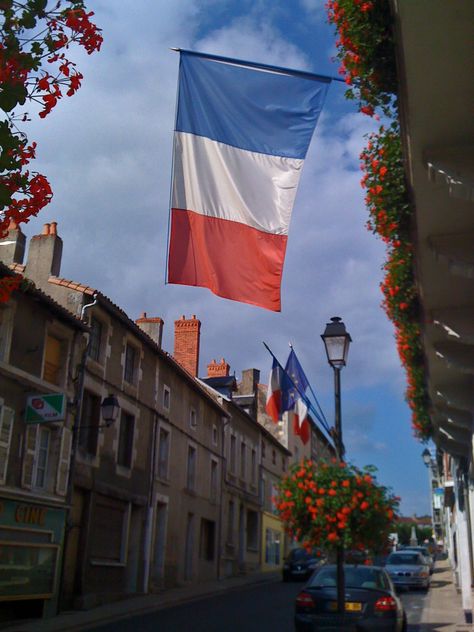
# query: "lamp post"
336,342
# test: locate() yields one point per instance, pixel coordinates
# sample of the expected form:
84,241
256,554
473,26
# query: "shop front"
273,542
31,541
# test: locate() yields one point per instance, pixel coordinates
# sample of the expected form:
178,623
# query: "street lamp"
110,409
336,342
426,456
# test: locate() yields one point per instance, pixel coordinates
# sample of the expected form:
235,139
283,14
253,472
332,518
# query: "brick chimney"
12,246
250,380
44,254
151,326
187,333
218,370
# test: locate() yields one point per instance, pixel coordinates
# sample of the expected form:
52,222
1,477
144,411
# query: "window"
5,331
263,449
193,419
254,466
233,448
273,496
263,490
272,547
230,523
6,430
163,453
206,549
131,363
214,435
95,339
52,360
274,457
125,445
42,454
214,479
252,530
166,397
90,419
283,462
243,460
109,531
191,468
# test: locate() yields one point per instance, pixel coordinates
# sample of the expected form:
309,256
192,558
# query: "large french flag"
242,133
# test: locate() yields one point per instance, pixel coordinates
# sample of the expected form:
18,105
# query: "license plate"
351,606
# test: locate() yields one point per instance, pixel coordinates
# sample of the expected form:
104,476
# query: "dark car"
299,564
371,603
408,569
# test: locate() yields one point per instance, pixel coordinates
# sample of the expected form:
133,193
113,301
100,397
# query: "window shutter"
29,453
6,430
64,462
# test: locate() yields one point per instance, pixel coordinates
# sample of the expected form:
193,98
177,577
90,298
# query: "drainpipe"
72,457
149,511
225,422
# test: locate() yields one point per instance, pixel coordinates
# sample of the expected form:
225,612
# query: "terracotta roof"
111,306
31,289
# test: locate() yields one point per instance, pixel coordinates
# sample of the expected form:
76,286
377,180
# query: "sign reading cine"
45,408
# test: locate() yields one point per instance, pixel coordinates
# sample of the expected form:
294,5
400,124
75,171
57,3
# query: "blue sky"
107,153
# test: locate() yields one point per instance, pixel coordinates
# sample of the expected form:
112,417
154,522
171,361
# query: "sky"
107,155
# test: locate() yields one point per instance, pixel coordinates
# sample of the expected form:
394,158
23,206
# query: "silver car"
426,554
408,569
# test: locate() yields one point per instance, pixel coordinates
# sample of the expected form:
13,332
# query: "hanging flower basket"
329,505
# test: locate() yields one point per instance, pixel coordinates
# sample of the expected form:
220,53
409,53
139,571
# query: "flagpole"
251,64
304,397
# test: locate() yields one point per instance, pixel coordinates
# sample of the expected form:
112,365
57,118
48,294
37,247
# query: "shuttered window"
29,453
6,430
52,360
42,457
125,446
64,462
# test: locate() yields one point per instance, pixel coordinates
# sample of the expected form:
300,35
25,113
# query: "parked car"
371,603
408,569
426,554
299,564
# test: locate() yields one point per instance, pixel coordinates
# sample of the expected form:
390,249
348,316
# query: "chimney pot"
45,229
12,225
53,228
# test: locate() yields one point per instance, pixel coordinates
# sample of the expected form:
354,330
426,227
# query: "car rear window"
360,577
407,558
298,555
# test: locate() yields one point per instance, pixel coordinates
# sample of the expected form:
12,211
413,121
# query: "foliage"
332,504
34,39
367,54
403,529
365,50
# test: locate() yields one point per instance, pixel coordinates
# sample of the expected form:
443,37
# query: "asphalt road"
265,608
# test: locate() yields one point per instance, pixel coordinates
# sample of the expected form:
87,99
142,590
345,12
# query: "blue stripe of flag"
255,110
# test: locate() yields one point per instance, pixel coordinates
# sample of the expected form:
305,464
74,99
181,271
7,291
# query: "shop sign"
45,408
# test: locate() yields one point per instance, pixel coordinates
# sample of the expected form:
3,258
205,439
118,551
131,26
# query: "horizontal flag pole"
250,64
303,395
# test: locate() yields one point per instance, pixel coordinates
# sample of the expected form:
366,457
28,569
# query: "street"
258,608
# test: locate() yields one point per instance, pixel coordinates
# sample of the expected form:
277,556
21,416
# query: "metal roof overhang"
435,54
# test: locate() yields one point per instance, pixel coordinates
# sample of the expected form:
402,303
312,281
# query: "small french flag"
241,137
274,392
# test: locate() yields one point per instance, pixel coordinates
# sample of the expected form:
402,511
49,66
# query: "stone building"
40,346
146,489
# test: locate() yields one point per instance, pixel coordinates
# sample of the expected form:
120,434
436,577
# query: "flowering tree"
367,54
34,40
330,505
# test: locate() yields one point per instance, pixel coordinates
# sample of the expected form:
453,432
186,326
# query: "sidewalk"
73,621
443,611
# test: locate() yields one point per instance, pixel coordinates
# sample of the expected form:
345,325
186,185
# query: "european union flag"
296,391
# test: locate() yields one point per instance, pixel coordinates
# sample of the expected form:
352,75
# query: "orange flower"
364,505
346,483
332,492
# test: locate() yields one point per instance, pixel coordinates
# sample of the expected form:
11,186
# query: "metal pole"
340,455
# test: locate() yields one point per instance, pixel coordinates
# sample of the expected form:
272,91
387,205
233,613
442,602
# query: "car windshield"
422,550
299,555
397,559
360,577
